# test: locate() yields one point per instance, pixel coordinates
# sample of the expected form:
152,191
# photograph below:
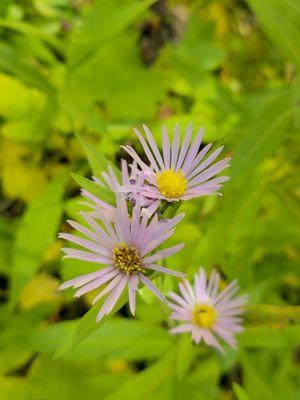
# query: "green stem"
272,315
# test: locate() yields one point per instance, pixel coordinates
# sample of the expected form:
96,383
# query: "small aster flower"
179,172
127,246
131,178
206,312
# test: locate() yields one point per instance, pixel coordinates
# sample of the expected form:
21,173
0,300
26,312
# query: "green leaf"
280,21
98,162
106,19
11,62
92,187
270,337
128,339
155,382
254,382
185,355
87,325
37,231
15,350
240,392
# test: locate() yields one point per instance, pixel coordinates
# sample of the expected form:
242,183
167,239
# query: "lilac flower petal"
182,328
100,203
95,247
106,240
85,256
113,283
155,243
210,339
227,337
168,271
152,287
165,226
189,288
209,172
112,299
149,211
180,316
175,147
211,182
125,174
185,146
142,165
179,300
197,160
132,287
83,279
166,149
190,157
87,232
185,294
96,283
227,292
163,254
213,284
154,146
147,150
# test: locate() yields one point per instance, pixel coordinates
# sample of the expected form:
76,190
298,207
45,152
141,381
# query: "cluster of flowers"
127,238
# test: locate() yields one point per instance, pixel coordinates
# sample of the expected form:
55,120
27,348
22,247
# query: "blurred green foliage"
102,67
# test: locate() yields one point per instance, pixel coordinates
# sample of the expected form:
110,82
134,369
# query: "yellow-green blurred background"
100,68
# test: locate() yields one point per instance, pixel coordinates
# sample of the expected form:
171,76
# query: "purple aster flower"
127,246
206,312
132,178
179,172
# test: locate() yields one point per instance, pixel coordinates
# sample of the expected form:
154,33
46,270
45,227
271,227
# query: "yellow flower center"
171,184
204,315
127,259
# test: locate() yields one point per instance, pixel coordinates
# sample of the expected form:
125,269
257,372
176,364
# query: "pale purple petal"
175,147
165,270
112,299
95,247
182,328
197,160
163,254
192,151
185,146
147,151
83,279
96,283
115,281
152,287
166,149
85,256
132,287
154,146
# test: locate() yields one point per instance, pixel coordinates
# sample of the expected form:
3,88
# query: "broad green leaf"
87,325
97,190
36,233
127,339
